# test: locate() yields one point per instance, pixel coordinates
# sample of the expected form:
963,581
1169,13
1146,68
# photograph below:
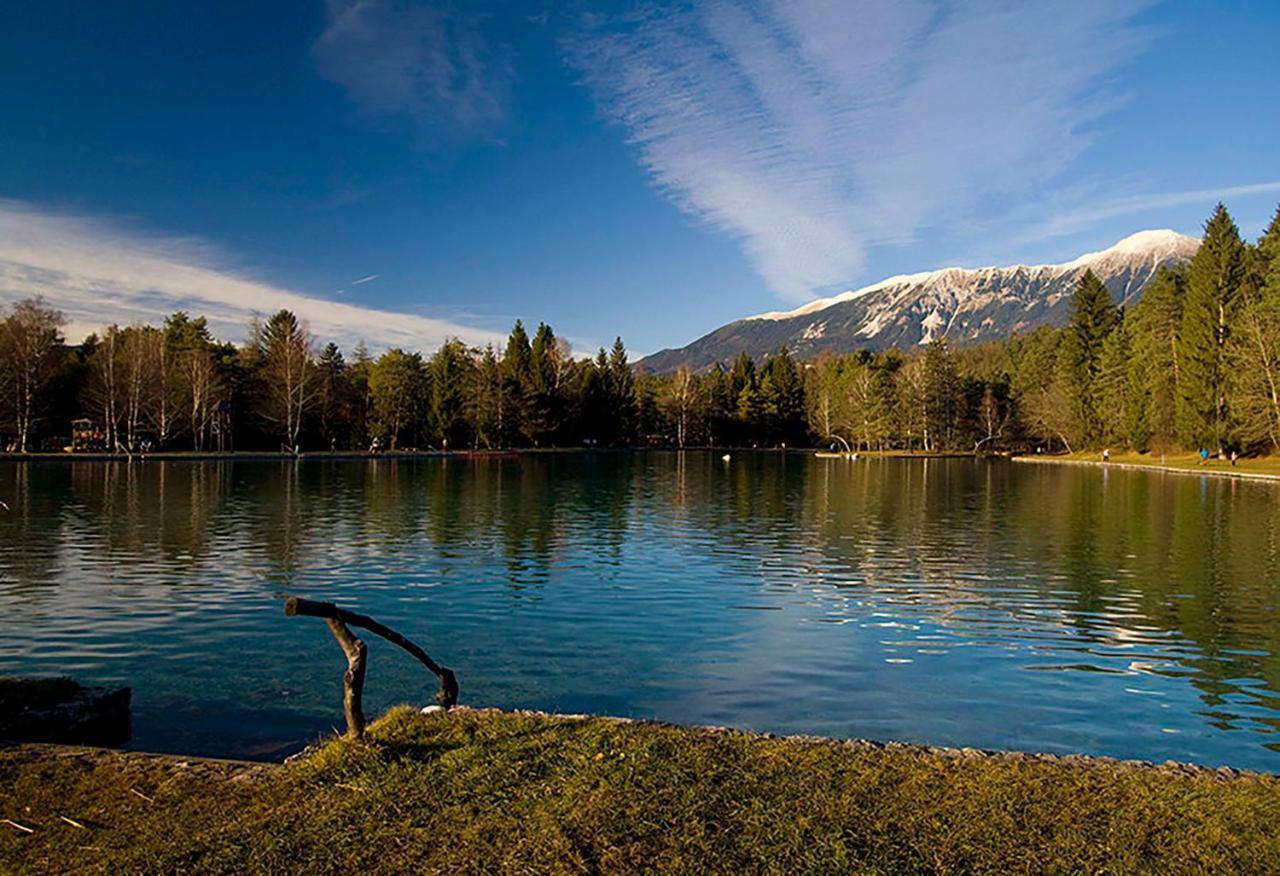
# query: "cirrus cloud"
815,130
420,60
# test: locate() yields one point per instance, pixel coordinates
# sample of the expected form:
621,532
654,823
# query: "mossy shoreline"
488,791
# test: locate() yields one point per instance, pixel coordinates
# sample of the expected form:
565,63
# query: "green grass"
1262,465
489,792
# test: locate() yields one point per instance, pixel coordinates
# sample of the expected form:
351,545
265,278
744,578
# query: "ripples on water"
953,602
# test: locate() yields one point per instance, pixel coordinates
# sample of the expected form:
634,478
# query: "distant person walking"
1204,455
1106,454
1235,455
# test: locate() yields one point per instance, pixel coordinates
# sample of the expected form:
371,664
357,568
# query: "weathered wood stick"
353,678
294,606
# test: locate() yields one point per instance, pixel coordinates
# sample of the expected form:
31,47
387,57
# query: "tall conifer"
1213,285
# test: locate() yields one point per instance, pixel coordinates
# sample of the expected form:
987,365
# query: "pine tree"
545,402
621,390
333,396
450,375
1093,317
782,399
485,407
1153,330
516,387
719,407
1114,412
1265,255
1214,281
1253,350
940,397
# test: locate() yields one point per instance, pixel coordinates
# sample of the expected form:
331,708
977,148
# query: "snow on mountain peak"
1156,244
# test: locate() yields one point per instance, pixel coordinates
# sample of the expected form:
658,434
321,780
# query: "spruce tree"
782,399
333,397
1093,317
546,408
941,396
622,392
1114,412
1153,368
516,389
450,372
1253,350
1265,255
1214,281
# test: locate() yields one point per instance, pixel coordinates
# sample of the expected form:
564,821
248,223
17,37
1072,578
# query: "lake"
950,601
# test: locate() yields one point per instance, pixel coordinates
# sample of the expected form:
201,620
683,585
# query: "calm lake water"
952,602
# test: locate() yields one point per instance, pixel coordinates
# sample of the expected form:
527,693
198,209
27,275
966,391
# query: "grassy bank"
1265,467
482,791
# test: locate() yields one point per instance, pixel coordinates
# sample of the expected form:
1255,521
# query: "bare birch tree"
682,401
30,341
104,385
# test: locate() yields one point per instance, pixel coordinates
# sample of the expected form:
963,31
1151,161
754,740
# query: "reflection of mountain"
960,304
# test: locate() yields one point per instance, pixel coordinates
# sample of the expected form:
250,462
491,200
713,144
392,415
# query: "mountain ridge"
964,305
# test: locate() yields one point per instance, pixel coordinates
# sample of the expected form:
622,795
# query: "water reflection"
948,601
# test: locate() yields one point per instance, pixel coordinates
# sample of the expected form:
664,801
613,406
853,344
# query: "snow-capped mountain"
963,305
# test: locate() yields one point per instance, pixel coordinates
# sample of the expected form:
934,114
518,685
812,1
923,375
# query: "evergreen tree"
485,407
782,399
720,407
361,399
1116,426
516,387
450,376
1153,332
332,397
1093,317
941,397
742,402
1213,285
620,388
546,408
399,386
1253,351
599,425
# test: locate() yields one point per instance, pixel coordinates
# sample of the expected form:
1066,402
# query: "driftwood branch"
339,619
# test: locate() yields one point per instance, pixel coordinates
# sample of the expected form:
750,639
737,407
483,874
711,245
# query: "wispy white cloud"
420,60
1078,219
99,273
814,130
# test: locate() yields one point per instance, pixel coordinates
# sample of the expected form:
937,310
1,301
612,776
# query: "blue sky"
653,170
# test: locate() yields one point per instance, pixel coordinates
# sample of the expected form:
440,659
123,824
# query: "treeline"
1195,364
175,387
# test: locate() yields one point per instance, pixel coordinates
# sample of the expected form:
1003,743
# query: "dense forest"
1196,364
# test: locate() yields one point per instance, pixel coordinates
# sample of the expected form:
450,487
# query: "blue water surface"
948,601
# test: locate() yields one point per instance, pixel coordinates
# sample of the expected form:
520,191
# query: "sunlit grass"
1269,465
485,792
